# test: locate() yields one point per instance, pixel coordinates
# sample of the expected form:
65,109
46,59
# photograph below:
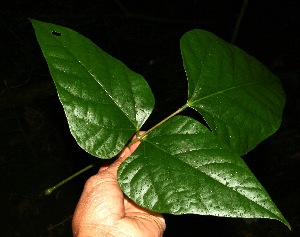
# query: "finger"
125,153
121,157
104,167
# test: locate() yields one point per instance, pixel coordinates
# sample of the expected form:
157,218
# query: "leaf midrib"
97,81
221,92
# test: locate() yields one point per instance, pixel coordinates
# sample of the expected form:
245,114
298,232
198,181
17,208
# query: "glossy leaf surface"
240,99
181,167
104,101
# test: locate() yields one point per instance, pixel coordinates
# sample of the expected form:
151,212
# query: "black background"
37,150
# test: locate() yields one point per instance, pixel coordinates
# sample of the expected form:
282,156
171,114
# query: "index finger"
126,152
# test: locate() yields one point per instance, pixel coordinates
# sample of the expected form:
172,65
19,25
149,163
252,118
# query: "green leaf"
181,167
104,101
240,99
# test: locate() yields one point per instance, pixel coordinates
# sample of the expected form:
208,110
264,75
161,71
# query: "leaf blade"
183,168
240,99
104,101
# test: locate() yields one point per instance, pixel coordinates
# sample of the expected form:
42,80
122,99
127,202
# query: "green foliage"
240,99
181,165
183,168
102,113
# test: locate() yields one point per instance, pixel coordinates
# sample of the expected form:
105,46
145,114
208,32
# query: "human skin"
103,209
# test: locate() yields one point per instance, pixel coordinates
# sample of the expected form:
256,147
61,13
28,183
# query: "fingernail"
122,154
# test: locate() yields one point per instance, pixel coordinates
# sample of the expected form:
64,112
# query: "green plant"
181,166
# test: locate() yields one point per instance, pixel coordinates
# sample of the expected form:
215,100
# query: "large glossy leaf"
182,167
104,101
240,99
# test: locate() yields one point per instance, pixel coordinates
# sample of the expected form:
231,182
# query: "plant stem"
142,136
50,190
238,21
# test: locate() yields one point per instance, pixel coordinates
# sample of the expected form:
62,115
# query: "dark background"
37,150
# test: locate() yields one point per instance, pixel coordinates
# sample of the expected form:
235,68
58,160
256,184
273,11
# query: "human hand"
103,209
